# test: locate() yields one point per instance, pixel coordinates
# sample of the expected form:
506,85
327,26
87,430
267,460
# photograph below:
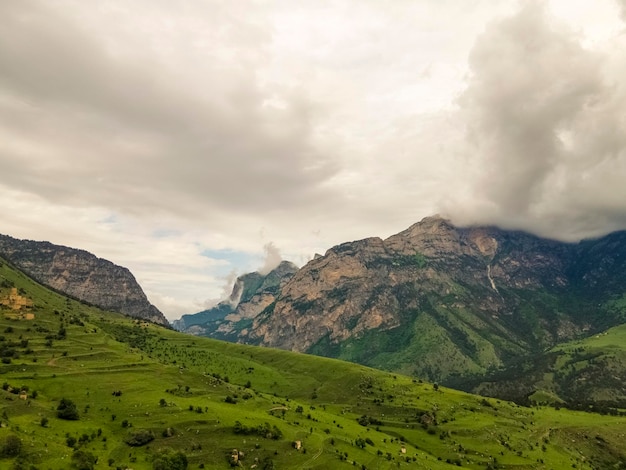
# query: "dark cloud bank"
546,131
138,132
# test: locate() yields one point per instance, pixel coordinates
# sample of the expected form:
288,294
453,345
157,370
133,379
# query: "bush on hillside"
11,446
83,460
167,459
67,410
139,438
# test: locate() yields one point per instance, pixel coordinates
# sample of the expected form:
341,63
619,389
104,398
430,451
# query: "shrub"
367,420
263,430
167,459
67,410
11,446
139,438
83,460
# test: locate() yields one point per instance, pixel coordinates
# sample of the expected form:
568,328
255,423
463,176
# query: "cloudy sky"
191,141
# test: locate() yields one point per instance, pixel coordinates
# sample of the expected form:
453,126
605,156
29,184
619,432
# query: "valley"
139,389
474,308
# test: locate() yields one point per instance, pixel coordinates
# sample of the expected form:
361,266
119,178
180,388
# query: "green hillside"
147,397
581,374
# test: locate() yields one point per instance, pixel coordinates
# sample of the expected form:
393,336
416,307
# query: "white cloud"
546,136
272,258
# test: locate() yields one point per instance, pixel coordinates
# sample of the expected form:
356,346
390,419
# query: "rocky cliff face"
82,275
251,295
443,302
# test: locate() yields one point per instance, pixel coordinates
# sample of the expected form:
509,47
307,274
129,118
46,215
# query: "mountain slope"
140,396
589,373
82,275
446,303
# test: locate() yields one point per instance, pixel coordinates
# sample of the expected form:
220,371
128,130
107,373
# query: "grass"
127,376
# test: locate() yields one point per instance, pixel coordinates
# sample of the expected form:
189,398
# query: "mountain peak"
251,294
432,236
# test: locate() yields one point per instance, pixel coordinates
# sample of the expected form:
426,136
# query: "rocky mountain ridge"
252,293
81,275
445,302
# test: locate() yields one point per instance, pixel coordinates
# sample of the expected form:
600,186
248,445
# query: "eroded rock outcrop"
81,275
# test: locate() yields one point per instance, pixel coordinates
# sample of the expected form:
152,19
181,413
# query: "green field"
192,399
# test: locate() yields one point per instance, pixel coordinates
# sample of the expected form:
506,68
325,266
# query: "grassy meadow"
150,398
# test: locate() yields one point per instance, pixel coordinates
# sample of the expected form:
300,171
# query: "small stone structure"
15,301
18,303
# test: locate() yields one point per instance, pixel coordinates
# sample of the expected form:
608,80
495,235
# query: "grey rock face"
81,275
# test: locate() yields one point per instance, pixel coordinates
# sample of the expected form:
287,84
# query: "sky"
195,141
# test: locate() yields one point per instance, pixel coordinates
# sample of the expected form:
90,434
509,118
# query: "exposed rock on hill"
444,302
82,275
252,293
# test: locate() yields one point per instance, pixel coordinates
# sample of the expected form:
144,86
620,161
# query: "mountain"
81,275
252,293
447,303
87,389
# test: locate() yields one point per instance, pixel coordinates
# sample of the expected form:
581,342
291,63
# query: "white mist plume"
272,258
228,293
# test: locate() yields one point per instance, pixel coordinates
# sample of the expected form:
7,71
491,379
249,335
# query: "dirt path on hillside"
317,454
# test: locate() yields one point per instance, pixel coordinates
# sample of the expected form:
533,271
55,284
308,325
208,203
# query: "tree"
83,460
167,459
139,438
11,446
67,410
